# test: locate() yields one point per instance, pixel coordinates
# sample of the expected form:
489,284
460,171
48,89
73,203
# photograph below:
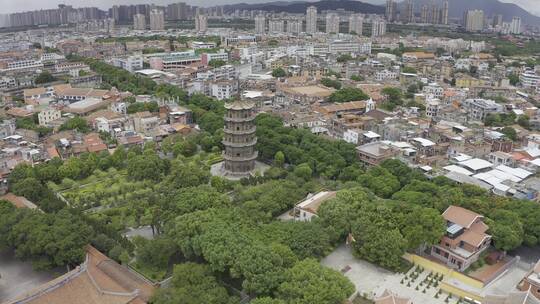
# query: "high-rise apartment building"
424,14
408,16
260,24
497,20
294,26
378,27
515,26
201,23
332,23
139,22
276,26
474,20
177,11
435,16
356,24
157,20
311,20
390,11
444,15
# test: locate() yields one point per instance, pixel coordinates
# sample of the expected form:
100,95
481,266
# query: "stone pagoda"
239,139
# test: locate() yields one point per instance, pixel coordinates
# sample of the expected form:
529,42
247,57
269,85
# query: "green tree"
216,63
147,166
309,282
303,171
76,123
195,284
348,94
507,229
331,83
357,78
44,77
514,79
510,133
279,72
408,69
524,122
279,159
344,58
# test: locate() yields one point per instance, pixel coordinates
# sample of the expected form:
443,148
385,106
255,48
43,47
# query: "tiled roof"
461,216
99,280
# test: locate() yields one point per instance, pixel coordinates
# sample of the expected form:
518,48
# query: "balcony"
239,132
239,144
240,158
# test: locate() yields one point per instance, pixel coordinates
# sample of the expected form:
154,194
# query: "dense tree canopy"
348,94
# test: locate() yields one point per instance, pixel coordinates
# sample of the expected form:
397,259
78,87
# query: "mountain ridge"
456,8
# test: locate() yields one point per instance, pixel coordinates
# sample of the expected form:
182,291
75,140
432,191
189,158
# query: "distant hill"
301,6
490,8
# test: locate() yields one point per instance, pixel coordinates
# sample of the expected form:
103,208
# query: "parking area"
17,277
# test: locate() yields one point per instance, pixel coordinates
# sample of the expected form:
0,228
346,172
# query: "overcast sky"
9,6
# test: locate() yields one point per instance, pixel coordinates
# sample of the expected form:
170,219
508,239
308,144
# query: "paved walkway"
372,280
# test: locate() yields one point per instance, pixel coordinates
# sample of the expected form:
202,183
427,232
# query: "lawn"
102,189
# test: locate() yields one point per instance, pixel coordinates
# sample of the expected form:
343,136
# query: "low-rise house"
478,109
531,282
144,122
374,153
48,115
307,209
465,238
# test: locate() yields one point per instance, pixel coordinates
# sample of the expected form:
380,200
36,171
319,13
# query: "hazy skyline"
10,6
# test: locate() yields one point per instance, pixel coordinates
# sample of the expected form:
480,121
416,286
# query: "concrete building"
307,209
515,26
129,63
408,16
478,109
378,28
139,22
276,26
390,12
239,138
311,20
374,153
529,80
424,14
201,23
356,24
260,24
48,115
294,26
474,20
157,20
444,14
465,238
332,23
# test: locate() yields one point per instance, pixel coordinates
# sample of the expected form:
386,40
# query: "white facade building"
332,23
201,23
356,24
311,20
378,28
157,20
48,115
276,26
129,63
260,24
139,22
